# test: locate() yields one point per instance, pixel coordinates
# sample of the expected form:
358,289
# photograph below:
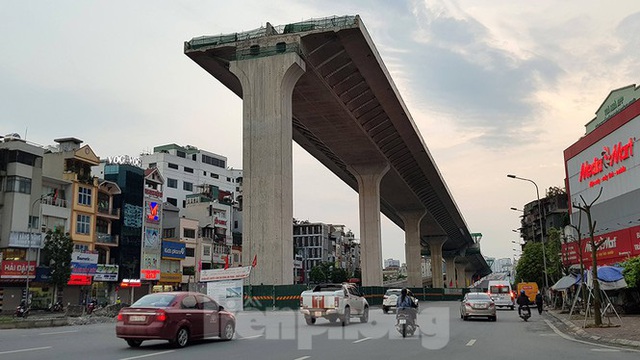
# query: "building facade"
602,168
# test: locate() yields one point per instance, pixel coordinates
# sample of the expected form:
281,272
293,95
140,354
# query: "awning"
565,282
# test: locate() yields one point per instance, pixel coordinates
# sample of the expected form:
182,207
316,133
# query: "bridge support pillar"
267,88
435,246
468,274
461,268
369,177
412,247
451,281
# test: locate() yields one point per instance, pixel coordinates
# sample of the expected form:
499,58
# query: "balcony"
54,202
107,239
109,213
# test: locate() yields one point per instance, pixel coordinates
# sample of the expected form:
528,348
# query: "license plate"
402,321
137,318
481,306
318,313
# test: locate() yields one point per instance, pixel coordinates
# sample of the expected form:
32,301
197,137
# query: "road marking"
250,337
606,350
147,355
548,334
24,350
361,340
567,337
471,342
58,332
302,358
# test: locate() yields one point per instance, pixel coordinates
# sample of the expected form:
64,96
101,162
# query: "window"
172,183
215,176
188,169
172,166
207,303
172,201
181,154
187,186
213,161
204,173
83,224
229,179
206,250
153,165
80,248
194,157
84,196
18,184
190,252
169,233
189,302
189,233
34,222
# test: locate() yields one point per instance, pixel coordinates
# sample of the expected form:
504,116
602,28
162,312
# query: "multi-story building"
554,208
313,243
391,263
347,249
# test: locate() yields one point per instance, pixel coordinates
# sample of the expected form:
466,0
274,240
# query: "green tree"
339,275
56,254
530,267
553,250
319,273
632,272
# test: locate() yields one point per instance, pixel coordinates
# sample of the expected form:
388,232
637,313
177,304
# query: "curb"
583,334
35,323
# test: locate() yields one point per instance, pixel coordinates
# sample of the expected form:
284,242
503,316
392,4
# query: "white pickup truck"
334,302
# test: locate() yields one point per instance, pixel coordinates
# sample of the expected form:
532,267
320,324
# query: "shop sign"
43,274
130,283
150,274
124,160
80,280
15,269
170,278
106,272
25,239
225,274
616,246
604,164
173,250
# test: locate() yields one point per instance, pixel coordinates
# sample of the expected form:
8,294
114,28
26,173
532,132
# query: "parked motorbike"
22,311
57,307
525,313
91,306
405,322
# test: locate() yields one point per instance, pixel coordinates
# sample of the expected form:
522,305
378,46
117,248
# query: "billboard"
173,250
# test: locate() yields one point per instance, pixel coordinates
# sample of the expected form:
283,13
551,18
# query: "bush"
631,272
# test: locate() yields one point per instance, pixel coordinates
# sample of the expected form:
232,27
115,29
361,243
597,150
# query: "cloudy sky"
495,87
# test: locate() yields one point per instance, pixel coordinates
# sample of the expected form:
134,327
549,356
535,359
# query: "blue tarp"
610,273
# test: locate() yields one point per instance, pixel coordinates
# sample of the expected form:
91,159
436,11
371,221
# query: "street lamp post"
31,221
544,256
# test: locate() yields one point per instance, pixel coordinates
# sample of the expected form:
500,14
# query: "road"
283,335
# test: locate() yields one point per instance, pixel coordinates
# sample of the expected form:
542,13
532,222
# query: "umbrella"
565,282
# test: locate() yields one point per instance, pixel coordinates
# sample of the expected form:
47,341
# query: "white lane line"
606,350
302,358
471,342
361,340
567,337
58,332
548,334
24,350
147,355
250,337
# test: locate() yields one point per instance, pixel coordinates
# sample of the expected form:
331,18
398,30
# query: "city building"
391,263
313,243
554,215
602,169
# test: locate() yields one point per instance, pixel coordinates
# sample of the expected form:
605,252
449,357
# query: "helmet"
522,292
403,292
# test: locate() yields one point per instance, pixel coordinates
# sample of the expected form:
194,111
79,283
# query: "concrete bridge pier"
435,247
267,88
461,268
412,247
451,281
468,274
369,177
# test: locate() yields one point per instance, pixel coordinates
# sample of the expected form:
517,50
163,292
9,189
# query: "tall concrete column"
369,176
267,88
450,282
461,267
435,246
468,274
412,247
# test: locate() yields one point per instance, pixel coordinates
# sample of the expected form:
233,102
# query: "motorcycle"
525,313
91,306
21,311
405,322
57,307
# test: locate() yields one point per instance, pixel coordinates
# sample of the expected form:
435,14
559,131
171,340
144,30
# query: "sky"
495,87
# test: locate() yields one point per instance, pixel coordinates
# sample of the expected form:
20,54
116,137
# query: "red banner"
617,246
12,269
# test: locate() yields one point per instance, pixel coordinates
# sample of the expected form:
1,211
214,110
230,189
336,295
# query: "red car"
175,316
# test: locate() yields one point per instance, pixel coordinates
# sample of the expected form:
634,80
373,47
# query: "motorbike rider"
522,301
407,304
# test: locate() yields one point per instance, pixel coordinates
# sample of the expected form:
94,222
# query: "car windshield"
393,292
155,300
478,296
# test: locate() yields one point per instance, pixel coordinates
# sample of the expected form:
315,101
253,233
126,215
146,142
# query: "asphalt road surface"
283,335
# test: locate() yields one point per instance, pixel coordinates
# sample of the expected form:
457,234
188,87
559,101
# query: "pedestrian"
539,302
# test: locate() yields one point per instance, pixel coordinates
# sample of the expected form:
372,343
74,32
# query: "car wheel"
134,343
513,308
182,338
385,309
493,318
365,316
346,319
310,320
465,318
228,331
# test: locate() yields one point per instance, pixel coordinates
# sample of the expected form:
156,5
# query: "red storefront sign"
12,269
79,280
617,246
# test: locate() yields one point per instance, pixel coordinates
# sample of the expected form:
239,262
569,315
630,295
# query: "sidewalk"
627,333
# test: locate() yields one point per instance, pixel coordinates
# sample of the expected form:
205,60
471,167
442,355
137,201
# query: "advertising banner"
616,246
227,293
12,269
173,250
106,272
225,274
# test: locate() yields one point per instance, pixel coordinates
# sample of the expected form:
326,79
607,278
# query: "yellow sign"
170,278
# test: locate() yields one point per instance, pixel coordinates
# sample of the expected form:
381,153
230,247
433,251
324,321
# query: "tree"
339,275
553,250
594,245
530,267
631,272
56,253
320,273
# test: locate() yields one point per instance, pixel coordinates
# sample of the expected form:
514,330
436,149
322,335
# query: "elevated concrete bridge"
323,84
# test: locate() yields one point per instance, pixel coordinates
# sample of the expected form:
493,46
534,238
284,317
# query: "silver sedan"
477,304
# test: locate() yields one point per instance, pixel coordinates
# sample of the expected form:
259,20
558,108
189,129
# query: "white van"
502,294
